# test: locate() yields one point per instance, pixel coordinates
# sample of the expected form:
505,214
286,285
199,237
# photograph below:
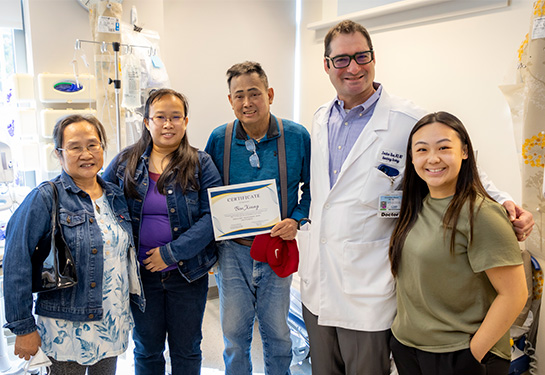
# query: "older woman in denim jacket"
165,181
86,325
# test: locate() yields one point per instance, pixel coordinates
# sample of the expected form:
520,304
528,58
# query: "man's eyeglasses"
254,159
93,148
342,61
162,120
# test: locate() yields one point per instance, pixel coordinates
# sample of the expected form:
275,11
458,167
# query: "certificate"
244,210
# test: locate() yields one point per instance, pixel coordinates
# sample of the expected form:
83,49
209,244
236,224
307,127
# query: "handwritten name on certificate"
244,210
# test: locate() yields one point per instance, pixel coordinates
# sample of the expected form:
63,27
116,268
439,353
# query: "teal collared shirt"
297,141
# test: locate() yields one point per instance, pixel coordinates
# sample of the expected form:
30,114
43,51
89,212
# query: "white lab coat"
344,266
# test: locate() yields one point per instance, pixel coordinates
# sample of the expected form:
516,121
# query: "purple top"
155,228
344,128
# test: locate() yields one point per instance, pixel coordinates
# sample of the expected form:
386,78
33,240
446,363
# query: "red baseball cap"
282,256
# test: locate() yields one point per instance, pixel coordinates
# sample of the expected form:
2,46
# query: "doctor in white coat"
359,141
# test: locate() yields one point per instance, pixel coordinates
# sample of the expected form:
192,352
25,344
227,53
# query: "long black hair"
468,187
183,162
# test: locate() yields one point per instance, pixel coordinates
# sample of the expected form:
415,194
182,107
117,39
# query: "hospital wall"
200,40
451,64
51,29
456,65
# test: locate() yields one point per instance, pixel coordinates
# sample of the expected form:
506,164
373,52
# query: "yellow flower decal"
532,150
522,47
539,8
538,284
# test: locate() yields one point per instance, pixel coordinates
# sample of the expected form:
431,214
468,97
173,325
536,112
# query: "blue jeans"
174,307
248,288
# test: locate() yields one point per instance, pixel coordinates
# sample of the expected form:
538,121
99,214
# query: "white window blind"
11,15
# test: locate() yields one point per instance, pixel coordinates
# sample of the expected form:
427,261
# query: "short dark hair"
63,123
345,27
247,67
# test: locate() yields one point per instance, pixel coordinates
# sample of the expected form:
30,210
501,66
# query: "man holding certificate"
260,147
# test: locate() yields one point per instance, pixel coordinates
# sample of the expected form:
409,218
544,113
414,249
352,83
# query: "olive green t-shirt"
442,299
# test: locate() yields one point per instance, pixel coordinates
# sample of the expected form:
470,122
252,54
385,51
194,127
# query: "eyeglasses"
162,120
78,150
361,58
254,159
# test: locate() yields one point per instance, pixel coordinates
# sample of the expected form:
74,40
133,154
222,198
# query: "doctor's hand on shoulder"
522,220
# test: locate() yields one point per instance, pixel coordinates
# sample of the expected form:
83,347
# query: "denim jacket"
192,248
31,222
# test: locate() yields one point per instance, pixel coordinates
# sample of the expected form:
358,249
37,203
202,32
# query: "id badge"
389,204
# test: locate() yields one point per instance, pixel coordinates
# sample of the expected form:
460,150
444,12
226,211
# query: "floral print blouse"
89,342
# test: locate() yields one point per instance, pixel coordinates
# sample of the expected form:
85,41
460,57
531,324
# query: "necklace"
97,207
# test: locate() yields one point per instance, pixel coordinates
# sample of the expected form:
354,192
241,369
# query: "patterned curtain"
532,105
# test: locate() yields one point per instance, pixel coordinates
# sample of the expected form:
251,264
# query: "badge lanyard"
389,203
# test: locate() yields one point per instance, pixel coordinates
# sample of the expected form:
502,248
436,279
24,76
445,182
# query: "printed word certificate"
244,210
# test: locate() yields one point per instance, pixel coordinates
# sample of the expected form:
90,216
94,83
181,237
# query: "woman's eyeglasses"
162,120
93,148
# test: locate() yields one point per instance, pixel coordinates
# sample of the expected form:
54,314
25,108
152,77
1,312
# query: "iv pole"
116,81
117,88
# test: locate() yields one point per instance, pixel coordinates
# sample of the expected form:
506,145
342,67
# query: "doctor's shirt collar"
365,106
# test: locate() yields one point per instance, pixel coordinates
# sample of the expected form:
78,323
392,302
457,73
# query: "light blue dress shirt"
344,127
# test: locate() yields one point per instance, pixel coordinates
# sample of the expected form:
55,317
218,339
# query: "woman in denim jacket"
86,325
165,182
